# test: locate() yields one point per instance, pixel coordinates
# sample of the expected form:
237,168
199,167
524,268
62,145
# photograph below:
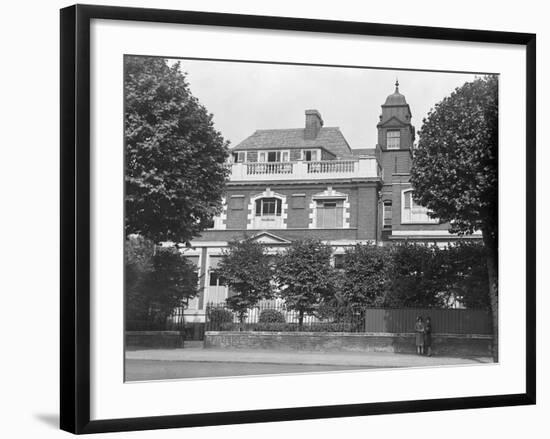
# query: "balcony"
364,167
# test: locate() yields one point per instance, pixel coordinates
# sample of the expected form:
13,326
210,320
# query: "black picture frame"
75,217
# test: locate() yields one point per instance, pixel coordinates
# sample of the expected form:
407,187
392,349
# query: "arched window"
267,210
268,207
411,212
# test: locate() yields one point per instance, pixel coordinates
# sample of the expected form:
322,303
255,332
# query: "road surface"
147,370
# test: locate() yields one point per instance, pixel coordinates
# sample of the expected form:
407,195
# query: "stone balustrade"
363,167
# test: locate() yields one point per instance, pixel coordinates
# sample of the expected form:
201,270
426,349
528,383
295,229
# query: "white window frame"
280,152
238,155
278,201
268,221
398,137
385,216
317,151
416,214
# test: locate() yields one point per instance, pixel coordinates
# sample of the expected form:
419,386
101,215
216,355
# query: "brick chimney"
314,122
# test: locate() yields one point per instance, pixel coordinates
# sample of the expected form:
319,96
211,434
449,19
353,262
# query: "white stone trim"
347,214
312,214
207,294
193,304
410,221
199,244
445,233
347,242
329,194
268,193
220,221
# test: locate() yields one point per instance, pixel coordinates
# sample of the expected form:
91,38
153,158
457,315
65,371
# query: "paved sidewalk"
355,359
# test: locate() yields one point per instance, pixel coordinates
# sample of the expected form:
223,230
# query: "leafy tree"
158,279
419,276
175,172
455,169
366,273
305,276
246,270
469,268
138,254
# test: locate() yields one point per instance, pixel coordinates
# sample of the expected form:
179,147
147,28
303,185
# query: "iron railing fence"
276,316
173,322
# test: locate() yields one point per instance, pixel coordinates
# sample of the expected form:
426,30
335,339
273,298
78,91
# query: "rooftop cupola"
396,107
396,98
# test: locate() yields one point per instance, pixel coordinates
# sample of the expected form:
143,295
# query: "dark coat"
419,329
428,334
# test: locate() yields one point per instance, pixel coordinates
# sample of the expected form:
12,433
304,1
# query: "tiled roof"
329,138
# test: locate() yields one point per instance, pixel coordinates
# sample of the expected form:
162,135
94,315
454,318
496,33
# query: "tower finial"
396,85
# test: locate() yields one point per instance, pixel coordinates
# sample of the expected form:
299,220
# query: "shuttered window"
330,214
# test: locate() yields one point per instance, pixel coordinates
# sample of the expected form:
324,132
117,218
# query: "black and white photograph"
301,219
275,219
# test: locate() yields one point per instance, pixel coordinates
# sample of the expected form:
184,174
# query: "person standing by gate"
428,336
419,329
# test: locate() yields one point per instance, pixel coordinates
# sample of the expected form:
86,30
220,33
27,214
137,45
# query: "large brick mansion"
307,182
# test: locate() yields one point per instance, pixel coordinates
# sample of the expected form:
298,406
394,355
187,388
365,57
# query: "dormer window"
239,157
393,139
310,155
273,156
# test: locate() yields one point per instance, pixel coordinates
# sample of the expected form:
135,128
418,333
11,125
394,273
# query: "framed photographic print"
274,218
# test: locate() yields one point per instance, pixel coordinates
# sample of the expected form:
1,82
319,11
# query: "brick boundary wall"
442,344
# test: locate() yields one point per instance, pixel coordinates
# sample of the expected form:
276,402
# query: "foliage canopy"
455,166
158,279
175,172
305,276
246,270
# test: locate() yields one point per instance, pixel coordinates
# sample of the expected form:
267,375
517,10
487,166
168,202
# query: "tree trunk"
491,246
301,319
242,316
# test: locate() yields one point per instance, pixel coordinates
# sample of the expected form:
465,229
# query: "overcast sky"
245,97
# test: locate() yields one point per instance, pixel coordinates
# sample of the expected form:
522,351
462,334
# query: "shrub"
312,327
230,326
217,317
271,316
289,327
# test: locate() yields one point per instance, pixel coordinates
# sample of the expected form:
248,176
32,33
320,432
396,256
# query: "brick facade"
358,198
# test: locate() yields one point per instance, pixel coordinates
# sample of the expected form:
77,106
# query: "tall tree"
157,279
455,169
305,276
175,172
468,274
419,276
245,269
366,273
